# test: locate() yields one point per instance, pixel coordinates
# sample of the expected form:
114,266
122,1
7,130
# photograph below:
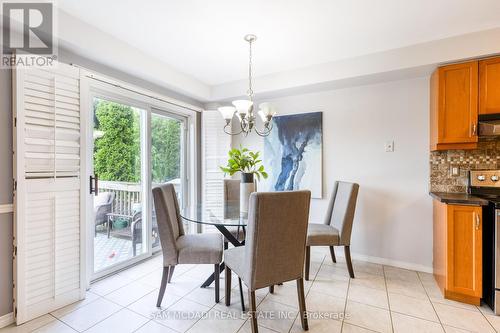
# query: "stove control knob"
481,178
494,178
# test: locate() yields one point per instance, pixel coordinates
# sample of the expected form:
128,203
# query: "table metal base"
233,240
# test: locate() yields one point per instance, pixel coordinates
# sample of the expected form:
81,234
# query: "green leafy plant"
117,150
245,161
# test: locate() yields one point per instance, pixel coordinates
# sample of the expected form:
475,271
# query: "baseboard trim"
388,262
7,319
7,208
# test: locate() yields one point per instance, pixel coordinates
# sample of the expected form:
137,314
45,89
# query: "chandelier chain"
250,89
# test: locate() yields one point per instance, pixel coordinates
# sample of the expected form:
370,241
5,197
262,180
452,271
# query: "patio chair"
103,204
136,230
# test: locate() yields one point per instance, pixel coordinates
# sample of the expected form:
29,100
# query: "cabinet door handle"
474,129
478,221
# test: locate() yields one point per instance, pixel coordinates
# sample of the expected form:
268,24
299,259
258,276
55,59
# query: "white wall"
393,222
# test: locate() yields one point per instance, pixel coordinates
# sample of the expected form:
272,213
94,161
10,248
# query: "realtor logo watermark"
28,34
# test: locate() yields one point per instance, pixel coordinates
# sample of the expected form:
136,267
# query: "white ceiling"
204,39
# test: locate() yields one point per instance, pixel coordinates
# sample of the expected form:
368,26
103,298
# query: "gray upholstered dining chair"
340,213
232,196
275,247
178,247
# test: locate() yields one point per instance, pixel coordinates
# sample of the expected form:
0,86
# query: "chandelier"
243,109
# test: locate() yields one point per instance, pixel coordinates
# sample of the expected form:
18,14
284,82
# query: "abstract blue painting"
293,153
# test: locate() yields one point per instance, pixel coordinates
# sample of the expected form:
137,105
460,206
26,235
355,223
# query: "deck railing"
128,196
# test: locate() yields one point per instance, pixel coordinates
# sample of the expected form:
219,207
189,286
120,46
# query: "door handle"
94,184
478,221
474,129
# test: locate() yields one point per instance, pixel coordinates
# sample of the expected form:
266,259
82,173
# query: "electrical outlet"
455,170
389,146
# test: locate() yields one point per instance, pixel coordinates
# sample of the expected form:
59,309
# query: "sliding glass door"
118,183
134,143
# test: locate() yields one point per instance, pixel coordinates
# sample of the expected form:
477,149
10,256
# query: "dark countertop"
458,199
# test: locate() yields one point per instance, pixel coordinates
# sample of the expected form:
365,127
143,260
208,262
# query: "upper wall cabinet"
489,86
454,107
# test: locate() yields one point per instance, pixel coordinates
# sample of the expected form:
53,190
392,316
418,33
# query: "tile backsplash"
486,156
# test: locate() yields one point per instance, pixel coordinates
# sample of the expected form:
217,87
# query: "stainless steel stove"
486,184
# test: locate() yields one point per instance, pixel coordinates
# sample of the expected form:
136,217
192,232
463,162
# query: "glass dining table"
223,220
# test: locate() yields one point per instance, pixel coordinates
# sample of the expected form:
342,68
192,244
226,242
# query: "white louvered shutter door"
48,229
216,145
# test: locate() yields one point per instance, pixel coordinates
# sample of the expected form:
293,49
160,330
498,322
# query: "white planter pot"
247,186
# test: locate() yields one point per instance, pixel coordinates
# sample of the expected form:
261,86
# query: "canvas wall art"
293,153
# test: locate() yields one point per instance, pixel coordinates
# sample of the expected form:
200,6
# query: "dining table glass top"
227,214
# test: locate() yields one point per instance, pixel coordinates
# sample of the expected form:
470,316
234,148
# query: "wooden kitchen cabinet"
454,106
489,86
457,251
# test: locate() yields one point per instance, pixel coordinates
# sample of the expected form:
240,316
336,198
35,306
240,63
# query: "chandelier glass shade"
243,109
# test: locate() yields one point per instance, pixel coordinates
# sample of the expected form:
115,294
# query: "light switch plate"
389,146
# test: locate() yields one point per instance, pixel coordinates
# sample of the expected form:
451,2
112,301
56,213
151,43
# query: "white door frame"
96,88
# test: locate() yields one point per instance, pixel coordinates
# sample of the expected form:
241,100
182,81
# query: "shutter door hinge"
15,251
15,312
14,185
15,121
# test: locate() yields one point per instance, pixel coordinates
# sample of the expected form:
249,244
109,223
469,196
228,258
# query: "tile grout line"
432,304
388,300
486,318
345,304
121,308
138,328
213,306
100,321
126,307
442,325
308,291
346,295
210,308
51,313
56,319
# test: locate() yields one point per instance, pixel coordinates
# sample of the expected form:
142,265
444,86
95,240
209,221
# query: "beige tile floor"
379,299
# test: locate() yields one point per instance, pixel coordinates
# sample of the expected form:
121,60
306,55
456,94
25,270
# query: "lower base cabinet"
457,250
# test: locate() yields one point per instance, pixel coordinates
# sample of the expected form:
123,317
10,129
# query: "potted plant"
248,163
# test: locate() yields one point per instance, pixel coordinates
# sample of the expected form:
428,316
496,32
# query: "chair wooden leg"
347,252
164,279
302,304
241,295
228,286
271,289
252,311
308,260
171,273
332,253
217,281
